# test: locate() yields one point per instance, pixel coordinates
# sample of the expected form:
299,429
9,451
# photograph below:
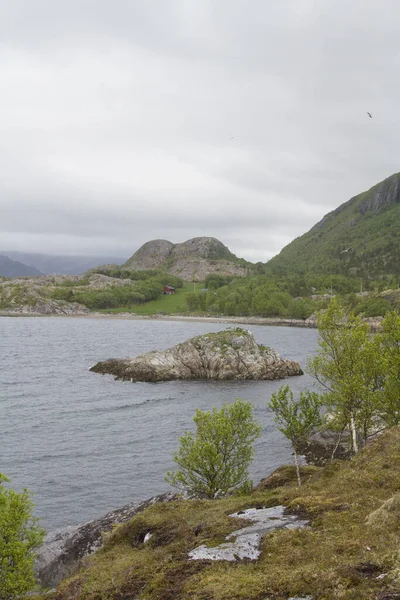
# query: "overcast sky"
123,121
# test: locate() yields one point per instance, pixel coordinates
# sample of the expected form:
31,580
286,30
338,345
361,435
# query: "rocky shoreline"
63,550
269,321
310,323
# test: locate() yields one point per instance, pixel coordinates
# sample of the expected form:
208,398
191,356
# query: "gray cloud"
125,121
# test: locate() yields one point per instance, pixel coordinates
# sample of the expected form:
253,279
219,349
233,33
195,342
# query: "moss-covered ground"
340,556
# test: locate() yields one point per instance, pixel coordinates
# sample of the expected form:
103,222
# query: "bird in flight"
345,250
369,114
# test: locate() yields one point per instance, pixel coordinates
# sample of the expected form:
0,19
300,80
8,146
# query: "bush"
296,418
19,538
215,459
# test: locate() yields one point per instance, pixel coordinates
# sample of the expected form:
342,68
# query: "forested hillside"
361,238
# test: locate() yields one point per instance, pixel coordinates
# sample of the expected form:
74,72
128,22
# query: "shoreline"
270,321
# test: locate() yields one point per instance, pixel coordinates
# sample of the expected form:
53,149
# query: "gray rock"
229,354
47,306
62,552
192,260
324,445
247,540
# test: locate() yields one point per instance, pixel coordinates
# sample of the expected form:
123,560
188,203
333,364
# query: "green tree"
388,347
20,536
296,419
215,459
348,368
192,301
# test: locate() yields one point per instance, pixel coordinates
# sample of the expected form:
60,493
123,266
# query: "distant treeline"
294,297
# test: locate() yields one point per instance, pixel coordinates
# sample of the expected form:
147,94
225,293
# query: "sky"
123,121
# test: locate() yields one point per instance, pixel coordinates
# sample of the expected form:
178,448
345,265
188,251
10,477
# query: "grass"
339,557
167,304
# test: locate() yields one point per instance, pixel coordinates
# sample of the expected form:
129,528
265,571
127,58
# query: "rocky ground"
32,296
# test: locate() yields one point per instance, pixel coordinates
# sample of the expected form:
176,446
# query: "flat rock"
228,354
247,540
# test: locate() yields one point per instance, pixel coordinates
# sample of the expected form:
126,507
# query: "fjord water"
84,443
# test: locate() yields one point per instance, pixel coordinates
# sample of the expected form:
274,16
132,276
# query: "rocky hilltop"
361,237
230,354
190,260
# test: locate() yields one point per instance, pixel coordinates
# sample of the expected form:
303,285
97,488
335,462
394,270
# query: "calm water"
84,443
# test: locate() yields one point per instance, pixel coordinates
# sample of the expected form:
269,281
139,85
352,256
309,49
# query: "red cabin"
168,289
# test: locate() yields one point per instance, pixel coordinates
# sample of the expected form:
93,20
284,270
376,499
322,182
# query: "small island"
231,354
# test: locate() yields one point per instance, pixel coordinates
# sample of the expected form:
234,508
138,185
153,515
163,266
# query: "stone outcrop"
192,260
151,255
30,296
47,306
229,354
63,550
246,541
323,446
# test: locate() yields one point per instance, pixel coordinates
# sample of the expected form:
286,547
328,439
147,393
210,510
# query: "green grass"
167,304
338,557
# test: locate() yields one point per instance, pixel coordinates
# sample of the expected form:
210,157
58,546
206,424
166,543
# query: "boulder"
231,354
323,446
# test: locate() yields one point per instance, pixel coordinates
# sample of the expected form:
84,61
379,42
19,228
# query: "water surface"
84,443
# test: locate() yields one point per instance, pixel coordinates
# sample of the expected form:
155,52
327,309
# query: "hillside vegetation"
94,290
350,550
361,237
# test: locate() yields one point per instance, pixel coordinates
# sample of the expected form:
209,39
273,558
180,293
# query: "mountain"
192,260
361,237
13,268
62,265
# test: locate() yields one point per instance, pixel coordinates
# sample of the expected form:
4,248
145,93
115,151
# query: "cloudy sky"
123,121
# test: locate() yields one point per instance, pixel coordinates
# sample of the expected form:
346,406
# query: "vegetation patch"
340,556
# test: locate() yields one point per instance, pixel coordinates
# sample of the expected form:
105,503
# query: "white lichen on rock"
247,540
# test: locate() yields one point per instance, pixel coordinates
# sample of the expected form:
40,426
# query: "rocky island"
231,354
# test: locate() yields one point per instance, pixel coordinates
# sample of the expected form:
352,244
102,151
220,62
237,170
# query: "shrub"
19,538
215,459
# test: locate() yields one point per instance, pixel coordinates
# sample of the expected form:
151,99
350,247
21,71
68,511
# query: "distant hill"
14,268
192,260
361,237
63,265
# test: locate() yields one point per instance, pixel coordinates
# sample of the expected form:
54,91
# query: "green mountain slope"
361,237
